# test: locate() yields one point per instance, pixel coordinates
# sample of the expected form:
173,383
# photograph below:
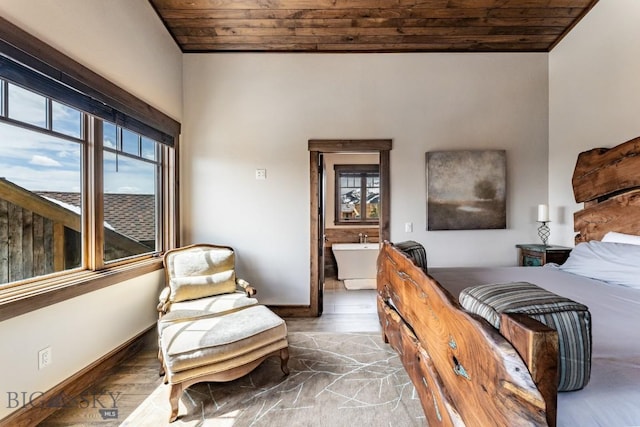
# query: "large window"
76,191
41,149
357,194
131,200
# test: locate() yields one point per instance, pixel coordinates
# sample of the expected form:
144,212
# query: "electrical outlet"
261,174
44,358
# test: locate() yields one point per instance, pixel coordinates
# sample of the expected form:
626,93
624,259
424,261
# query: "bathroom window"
357,191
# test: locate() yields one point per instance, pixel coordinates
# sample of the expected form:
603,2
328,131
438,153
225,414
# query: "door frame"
316,147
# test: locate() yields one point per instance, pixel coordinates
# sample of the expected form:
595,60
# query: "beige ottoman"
221,348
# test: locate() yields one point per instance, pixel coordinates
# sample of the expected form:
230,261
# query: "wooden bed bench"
465,371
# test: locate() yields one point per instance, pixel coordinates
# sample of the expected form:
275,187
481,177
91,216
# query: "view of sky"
41,162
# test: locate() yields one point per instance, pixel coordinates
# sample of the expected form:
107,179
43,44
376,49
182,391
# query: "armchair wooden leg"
174,398
161,360
284,360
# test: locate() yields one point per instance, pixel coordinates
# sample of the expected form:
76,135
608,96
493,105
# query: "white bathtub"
356,260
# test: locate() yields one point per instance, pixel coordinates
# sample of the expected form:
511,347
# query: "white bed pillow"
611,262
614,236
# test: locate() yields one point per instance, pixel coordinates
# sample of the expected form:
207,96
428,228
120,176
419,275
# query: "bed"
466,372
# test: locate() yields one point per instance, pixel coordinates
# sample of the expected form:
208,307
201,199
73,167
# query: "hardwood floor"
110,401
344,311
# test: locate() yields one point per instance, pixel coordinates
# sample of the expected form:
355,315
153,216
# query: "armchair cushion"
201,273
202,342
205,307
188,288
202,261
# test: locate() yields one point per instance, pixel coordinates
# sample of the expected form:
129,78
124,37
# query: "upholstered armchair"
210,328
201,282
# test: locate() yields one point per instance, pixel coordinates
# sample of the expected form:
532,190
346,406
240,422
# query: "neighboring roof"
132,215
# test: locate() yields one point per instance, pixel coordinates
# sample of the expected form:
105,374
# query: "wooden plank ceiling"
369,25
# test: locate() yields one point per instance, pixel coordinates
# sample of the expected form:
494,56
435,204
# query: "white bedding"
612,396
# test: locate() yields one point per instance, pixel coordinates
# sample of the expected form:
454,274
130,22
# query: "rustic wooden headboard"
607,181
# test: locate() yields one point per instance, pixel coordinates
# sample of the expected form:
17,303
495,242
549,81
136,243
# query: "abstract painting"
466,190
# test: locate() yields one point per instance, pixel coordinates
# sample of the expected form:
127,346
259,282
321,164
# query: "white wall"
122,40
248,111
125,42
79,331
594,88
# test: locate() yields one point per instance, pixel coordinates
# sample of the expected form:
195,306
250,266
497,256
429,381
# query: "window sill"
22,299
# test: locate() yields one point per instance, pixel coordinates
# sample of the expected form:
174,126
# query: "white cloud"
39,160
53,179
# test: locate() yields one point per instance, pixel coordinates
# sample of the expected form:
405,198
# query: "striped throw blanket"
415,251
570,319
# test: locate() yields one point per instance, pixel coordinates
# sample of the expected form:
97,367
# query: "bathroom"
349,286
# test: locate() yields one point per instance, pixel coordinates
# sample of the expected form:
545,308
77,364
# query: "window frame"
362,170
47,129
161,155
53,70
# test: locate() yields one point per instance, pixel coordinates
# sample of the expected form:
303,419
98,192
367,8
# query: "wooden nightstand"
532,255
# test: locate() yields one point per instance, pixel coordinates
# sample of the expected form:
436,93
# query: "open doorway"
320,243
352,238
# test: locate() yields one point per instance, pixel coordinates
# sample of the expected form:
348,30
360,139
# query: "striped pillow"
570,319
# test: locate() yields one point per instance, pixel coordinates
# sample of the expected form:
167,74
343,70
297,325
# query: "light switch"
408,227
261,174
